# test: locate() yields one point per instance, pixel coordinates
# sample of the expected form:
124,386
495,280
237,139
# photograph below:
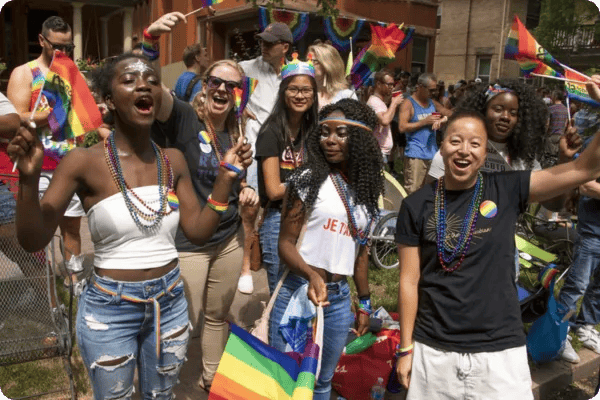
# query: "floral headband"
495,90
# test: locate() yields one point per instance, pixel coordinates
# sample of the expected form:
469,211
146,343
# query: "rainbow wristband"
150,45
231,167
405,349
404,353
217,207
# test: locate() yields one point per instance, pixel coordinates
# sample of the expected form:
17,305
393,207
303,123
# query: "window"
484,68
420,48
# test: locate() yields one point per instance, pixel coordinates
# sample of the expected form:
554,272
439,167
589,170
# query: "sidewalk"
547,378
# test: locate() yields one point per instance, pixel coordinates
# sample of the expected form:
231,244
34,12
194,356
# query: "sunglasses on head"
66,48
214,83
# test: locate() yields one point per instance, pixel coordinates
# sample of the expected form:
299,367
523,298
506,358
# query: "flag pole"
193,12
558,79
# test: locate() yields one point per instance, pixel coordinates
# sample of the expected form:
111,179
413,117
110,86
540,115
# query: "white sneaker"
245,284
568,353
590,338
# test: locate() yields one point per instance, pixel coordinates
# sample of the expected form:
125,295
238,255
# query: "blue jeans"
338,320
269,243
116,334
583,279
8,205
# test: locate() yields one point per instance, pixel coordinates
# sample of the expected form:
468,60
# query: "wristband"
150,45
230,167
405,353
217,207
405,349
363,311
365,304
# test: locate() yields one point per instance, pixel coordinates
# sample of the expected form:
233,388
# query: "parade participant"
420,117
335,196
330,74
136,195
558,119
382,95
461,329
280,149
189,83
23,90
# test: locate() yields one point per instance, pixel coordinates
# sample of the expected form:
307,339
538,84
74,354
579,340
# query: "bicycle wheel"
383,245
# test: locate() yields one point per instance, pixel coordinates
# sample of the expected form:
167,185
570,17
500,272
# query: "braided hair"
365,162
527,138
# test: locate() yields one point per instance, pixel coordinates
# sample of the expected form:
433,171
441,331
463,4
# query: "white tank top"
327,243
120,244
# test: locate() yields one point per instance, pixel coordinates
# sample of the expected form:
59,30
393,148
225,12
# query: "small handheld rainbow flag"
74,110
243,95
251,369
578,91
532,66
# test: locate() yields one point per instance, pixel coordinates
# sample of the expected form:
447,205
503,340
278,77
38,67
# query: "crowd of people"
177,186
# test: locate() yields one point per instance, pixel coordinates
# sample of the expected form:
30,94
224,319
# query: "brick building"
470,41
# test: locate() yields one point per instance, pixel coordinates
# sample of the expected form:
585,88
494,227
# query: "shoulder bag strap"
190,86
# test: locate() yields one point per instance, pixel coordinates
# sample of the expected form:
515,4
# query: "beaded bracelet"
150,45
230,167
217,207
404,353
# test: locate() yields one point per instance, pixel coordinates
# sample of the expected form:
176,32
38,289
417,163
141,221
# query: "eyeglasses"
67,48
388,84
305,91
214,83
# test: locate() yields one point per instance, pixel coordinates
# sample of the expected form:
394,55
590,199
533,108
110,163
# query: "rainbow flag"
74,110
253,370
208,3
531,66
296,21
578,91
242,96
521,44
385,41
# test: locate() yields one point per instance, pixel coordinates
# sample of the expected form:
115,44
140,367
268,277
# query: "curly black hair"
526,141
365,162
102,77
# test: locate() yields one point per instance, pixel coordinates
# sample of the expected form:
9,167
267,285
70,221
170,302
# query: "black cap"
277,31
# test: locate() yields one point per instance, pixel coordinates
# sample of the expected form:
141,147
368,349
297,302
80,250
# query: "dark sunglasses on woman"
214,83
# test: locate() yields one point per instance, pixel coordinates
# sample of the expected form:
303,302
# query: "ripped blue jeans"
115,334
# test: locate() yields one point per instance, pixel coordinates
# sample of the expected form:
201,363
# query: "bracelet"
230,167
405,353
217,207
147,35
403,350
150,45
365,304
363,311
365,297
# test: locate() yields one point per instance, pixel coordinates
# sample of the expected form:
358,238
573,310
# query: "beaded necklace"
361,236
167,198
213,140
466,232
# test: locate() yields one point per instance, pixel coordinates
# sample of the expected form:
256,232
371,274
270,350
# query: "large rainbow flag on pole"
521,44
74,110
253,370
532,66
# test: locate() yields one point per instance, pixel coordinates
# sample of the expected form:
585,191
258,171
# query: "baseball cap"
277,31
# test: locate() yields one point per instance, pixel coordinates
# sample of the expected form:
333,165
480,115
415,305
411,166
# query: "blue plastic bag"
548,333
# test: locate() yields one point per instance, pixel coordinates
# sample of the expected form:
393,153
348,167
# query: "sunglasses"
214,83
66,48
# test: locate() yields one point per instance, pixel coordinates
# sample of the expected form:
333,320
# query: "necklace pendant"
173,200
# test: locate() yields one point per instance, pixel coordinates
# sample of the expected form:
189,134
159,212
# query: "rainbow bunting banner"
340,31
204,3
243,94
251,369
578,91
531,66
74,110
521,44
385,41
296,21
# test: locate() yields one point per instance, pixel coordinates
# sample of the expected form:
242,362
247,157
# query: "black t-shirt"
269,144
475,308
181,131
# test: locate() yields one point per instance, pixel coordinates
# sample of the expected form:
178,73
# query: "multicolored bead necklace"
167,197
210,137
361,236
468,227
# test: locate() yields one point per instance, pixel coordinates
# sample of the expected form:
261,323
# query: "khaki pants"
210,278
415,171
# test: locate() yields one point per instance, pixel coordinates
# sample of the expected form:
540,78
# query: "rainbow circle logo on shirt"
488,209
173,200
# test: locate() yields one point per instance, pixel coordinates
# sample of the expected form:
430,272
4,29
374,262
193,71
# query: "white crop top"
120,244
327,243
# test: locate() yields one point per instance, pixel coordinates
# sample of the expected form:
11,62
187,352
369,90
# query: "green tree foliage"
560,20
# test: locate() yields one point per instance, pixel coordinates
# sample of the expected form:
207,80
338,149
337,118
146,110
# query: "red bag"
355,374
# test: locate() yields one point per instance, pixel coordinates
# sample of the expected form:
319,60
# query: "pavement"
547,378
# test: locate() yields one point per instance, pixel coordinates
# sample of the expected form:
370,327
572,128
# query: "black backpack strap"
190,87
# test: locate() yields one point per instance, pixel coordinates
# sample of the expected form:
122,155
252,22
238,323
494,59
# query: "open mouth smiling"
144,104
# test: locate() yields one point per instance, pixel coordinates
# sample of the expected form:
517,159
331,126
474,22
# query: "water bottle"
378,390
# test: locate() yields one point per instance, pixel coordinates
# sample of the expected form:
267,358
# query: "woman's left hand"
248,197
363,324
240,156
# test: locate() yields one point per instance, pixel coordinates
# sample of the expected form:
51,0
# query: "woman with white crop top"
135,194
335,195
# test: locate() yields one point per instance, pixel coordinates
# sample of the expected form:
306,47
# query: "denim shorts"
115,334
8,205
